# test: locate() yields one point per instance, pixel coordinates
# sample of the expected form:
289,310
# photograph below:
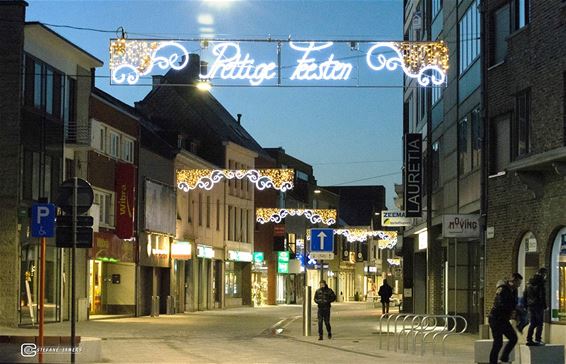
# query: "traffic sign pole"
73,280
41,299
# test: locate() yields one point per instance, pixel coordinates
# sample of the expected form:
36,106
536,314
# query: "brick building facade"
526,85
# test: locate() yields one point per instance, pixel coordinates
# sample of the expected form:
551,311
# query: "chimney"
239,118
156,80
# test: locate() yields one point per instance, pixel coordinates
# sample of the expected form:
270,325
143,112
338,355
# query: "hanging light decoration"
315,216
279,179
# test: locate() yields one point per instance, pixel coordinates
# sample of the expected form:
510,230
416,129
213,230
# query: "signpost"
42,226
322,246
75,197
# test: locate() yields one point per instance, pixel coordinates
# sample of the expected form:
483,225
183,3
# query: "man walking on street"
535,299
385,292
504,304
323,297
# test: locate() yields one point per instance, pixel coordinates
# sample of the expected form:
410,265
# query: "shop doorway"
528,259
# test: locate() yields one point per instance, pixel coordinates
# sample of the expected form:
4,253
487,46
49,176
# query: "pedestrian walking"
535,299
385,292
504,305
323,297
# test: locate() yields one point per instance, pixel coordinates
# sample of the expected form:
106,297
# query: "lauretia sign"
460,226
413,175
131,59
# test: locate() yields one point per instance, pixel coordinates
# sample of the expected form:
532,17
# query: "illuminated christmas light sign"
130,59
315,216
279,179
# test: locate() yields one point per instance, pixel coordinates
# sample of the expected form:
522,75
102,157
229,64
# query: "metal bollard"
307,305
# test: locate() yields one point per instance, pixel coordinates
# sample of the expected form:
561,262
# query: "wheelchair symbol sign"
43,220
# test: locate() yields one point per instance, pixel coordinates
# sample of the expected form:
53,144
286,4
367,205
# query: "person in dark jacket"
535,299
323,297
504,305
385,292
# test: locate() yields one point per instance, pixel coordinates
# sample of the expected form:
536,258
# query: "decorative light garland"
132,58
386,239
325,216
279,179
394,261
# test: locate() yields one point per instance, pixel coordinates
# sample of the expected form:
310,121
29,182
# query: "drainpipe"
484,173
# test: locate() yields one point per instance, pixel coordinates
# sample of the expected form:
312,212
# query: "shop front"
238,278
259,279
29,283
155,274
181,252
112,276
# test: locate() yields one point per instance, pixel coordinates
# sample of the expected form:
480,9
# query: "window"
469,142
463,156
43,87
233,279
469,37
128,150
476,140
218,215
113,144
230,231
521,13
500,142
500,33
200,209
208,207
436,7
436,92
522,129
189,207
70,102
435,164
106,202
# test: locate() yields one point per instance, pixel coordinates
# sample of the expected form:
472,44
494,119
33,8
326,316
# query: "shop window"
557,282
233,280
529,257
469,142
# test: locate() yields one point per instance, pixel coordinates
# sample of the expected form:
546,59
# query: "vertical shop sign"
413,175
125,185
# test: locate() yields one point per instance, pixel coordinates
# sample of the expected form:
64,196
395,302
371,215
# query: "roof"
114,101
96,62
198,114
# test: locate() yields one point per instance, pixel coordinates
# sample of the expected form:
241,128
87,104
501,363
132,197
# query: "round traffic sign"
85,196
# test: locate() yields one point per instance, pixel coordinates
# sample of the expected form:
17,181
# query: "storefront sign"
394,261
423,240
125,185
460,226
395,218
283,262
239,256
181,250
109,246
370,269
204,251
258,257
413,175
155,252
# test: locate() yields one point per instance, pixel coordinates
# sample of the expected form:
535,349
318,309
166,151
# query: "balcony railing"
78,133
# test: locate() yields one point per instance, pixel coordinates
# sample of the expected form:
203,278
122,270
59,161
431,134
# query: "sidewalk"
355,329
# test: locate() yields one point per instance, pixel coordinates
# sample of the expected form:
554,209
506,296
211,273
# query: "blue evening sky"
351,136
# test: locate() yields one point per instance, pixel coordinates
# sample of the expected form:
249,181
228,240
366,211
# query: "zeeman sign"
427,62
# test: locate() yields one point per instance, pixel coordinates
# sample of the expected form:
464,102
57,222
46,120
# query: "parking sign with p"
43,220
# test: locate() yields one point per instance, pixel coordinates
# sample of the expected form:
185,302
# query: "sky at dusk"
351,136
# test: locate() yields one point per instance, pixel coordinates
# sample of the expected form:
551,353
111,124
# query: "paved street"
249,335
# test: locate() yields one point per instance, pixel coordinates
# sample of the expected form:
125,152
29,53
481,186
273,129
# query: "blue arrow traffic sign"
322,240
43,220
